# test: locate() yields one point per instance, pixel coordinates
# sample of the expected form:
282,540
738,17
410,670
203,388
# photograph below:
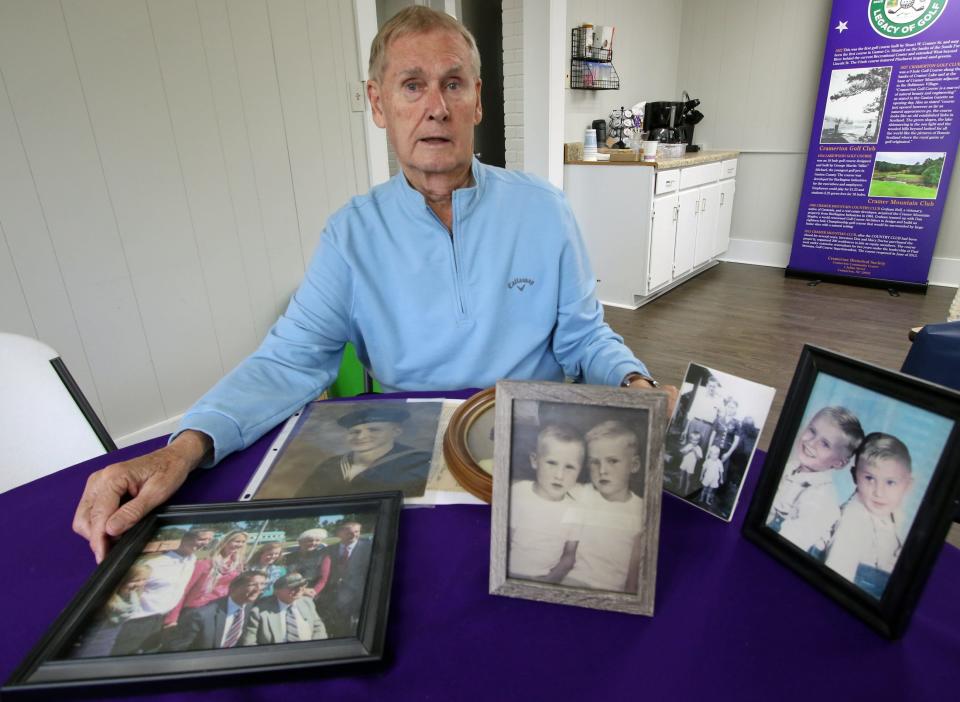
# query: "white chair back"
45,421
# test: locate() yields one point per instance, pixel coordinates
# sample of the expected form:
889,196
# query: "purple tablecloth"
730,622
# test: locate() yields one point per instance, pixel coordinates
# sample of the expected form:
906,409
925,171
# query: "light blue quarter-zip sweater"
509,295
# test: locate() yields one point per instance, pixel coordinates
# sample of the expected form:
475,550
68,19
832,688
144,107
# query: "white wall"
646,47
166,167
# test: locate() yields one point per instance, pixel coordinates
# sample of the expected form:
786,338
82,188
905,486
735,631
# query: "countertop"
691,159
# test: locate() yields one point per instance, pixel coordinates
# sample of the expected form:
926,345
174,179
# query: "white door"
662,238
686,231
727,190
707,223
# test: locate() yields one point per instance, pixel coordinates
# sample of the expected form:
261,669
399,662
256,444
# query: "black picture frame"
929,417
47,668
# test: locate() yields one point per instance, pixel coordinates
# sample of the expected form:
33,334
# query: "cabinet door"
686,231
707,223
727,190
662,240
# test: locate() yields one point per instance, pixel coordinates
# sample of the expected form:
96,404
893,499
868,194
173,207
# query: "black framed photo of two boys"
576,494
224,590
860,484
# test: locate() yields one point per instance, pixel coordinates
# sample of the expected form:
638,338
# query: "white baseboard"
167,426
943,271
758,253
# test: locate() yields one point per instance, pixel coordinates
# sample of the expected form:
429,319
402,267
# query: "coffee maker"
672,122
660,120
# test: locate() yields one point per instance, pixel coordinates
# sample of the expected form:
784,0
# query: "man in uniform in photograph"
219,624
375,462
420,274
284,617
339,603
169,574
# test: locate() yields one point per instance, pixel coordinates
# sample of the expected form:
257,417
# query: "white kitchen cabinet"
727,190
648,229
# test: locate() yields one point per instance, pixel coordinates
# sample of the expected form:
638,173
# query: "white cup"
650,150
590,140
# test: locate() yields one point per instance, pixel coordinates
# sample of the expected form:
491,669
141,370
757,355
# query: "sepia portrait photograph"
712,437
582,485
341,448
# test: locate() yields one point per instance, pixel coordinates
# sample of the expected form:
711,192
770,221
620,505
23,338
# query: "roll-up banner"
884,139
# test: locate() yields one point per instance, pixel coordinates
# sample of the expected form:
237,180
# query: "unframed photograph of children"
712,437
226,585
576,497
340,448
858,469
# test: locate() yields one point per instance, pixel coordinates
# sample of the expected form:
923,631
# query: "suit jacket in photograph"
344,591
265,623
201,628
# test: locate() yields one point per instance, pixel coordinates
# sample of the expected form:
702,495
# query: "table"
730,622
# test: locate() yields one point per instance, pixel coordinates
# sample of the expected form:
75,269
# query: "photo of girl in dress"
712,437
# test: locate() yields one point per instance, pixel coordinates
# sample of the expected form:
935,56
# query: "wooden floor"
752,322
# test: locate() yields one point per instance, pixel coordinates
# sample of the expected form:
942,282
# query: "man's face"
372,436
428,99
348,533
248,592
288,594
189,546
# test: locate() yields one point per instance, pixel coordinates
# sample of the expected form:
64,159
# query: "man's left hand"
672,392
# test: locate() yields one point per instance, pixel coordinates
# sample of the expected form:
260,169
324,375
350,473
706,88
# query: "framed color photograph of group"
860,482
228,589
576,494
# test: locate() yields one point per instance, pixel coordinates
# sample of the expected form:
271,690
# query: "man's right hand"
149,480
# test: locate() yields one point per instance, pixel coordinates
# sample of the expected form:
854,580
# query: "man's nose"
436,104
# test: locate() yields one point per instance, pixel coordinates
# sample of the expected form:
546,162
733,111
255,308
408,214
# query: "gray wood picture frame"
647,413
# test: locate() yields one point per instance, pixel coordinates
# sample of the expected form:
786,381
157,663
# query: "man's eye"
453,85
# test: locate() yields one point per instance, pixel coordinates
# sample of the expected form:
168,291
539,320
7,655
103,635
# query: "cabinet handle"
696,206
676,212
721,197
703,207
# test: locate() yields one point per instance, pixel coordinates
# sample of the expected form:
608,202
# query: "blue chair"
935,356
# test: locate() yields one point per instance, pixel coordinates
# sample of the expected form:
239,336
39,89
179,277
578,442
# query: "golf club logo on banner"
899,19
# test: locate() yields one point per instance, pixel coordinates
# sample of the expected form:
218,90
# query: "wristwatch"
630,377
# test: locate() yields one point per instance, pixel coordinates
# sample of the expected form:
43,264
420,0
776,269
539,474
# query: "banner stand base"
891,285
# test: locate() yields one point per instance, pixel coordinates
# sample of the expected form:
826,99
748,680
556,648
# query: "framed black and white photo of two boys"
577,487
222,590
860,484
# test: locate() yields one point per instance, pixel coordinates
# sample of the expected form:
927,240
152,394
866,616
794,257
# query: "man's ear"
478,113
376,104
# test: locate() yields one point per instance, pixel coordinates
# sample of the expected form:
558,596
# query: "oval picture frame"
456,446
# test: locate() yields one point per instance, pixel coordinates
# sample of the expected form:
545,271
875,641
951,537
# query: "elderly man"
452,274
219,624
284,617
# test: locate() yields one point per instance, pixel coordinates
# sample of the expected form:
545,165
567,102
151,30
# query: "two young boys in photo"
861,538
578,533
